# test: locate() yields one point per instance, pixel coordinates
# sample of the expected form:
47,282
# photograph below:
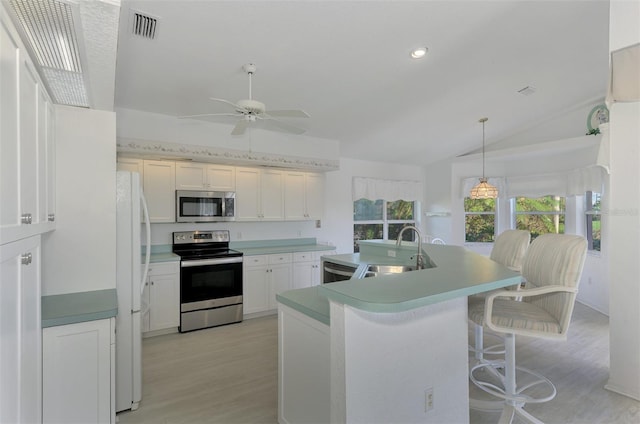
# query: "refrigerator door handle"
147,227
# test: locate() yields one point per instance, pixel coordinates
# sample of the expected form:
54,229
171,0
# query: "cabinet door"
41,185
77,373
9,141
132,165
28,141
303,274
280,277
247,194
221,178
271,195
165,301
256,289
314,195
160,190
294,196
51,163
191,176
20,335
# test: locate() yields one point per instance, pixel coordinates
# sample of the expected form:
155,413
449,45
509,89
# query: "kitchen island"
391,348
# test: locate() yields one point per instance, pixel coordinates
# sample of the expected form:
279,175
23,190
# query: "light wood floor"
229,375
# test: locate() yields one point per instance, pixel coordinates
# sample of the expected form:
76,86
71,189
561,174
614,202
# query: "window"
380,219
479,220
540,215
592,210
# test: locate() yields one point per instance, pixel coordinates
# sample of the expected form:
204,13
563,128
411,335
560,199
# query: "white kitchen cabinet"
264,276
27,205
161,297
77,372
205,176
306,268
259,194
303,196
160,190
20,332
131,165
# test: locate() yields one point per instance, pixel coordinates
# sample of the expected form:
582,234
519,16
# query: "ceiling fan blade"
240,127
282,126
208,114
293,113
235,106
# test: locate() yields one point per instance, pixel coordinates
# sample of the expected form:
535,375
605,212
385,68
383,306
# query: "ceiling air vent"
527,91
143,25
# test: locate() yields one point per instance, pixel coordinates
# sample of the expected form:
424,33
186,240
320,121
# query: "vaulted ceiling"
348,65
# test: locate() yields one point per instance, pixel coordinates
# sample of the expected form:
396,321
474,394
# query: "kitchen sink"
376,270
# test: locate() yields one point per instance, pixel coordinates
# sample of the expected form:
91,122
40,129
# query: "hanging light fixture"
483,190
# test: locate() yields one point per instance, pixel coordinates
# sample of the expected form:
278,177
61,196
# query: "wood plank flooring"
229,375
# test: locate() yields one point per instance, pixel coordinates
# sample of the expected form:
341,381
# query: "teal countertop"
458,272
72,308
267,247
160,253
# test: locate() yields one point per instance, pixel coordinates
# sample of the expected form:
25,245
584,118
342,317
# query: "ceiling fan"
251,111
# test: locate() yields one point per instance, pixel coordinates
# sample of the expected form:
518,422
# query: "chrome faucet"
419,258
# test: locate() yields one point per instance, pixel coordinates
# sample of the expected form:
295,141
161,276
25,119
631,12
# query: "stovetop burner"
203,244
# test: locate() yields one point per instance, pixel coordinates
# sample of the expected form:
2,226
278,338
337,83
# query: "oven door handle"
217,261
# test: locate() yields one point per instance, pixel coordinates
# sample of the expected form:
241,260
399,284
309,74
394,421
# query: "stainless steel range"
210,279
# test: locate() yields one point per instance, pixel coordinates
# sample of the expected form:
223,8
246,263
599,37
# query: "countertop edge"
74,308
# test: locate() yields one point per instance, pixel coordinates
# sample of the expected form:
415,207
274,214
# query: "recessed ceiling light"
419,52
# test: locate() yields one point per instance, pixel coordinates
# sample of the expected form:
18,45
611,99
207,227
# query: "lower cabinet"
264,276
306,268
77,363
20,332
161,297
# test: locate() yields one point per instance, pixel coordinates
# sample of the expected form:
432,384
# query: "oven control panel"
183,237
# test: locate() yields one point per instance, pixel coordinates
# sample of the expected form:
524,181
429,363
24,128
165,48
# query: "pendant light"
483,190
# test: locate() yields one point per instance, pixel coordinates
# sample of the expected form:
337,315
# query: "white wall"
437,198
80,255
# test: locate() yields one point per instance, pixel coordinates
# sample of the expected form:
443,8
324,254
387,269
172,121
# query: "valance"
391,190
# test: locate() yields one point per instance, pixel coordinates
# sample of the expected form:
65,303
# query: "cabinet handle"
26,218
51,217
26,258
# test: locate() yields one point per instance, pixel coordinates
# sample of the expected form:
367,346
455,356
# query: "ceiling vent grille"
144,26
50,30
527,91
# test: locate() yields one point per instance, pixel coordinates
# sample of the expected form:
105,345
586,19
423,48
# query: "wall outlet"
391,253
428,399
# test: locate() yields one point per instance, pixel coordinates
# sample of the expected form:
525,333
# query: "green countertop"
72,308
458,272
268,247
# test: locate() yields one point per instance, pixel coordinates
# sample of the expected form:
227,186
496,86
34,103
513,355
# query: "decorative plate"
598,115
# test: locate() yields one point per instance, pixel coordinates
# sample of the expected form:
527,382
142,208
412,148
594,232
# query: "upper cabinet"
160,190
303,195
202,176
259,194
27,143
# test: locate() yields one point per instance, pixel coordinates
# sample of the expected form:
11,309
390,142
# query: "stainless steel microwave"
205,206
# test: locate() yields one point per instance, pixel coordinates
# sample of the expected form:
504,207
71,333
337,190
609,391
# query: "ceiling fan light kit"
250,111
483,190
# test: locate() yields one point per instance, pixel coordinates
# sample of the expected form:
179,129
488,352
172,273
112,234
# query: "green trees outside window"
379,219
541,215
479,220
593,212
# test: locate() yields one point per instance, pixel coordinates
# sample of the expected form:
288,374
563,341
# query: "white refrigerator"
130,276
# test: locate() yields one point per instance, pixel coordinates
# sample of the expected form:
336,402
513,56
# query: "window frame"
590,213
385,221
495,222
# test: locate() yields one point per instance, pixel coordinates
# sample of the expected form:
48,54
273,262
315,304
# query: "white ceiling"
347,64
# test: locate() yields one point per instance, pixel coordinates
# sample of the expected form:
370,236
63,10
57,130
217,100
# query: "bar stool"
551,268
508,250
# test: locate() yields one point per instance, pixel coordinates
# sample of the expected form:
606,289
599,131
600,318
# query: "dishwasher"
332,272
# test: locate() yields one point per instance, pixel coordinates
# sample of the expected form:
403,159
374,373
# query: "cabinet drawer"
162,268
280,258
255,260
303,256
